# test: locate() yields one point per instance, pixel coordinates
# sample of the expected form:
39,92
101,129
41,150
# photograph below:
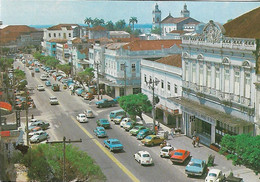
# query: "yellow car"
152,140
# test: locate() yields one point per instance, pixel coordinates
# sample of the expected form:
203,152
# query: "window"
49,34
201,74
247,85
54,35
53,46
175,88
122,67
169,86
186,71
226,79
209,76
136,90
69,34
194,72
59,35
217,75
237,82
122,91
145,78
133,67
162,85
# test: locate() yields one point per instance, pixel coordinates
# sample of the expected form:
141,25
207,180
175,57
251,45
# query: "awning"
213,113
5,106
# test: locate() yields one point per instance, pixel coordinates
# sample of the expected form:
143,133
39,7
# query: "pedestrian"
194,141
158,125
172,132
156,129
197,141
32,116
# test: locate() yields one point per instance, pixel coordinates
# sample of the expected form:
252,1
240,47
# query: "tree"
132,21
66,68
52,62
135,104
242,150
156,30
110,26
87,75
120,25
88,21
45,163
6,63
98,22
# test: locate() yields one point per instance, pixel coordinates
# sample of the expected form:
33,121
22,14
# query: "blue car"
113,144
100,132
103,122
79,91
48,83
37,70
143,133
196,167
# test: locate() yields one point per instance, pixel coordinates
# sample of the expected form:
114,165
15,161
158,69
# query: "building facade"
166,73
218,84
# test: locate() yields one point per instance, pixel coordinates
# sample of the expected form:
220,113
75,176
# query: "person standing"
194,141
197,141
172,132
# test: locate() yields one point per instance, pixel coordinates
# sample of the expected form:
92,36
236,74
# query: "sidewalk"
180,141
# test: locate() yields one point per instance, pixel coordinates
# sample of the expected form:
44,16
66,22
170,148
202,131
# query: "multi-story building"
119,63
164,75
218,83
98,32
119,34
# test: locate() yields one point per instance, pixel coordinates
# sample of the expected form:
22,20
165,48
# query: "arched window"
246,64
200,57
226,61
185,55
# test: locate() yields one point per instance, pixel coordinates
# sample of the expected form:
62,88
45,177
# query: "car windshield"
103,121
89,111
101,129
148,137
165,150
178,153
213,174
115,142
146,155
136,127
142,131
194,164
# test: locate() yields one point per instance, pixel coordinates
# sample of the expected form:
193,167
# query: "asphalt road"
116,166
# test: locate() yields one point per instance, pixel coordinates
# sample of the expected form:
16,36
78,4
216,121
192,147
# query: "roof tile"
173,60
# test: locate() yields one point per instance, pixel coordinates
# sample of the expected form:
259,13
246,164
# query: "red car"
179,155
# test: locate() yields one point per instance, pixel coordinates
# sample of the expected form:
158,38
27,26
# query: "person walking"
172,132
194,141
197,141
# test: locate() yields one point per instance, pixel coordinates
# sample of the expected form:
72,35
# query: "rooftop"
98,28
59,26
173,60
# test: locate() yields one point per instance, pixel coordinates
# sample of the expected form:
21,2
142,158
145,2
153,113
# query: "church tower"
185,12
156,16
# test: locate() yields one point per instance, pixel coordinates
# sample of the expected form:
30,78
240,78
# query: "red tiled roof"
125,39
142,45
58,27
84,51
98,28
173,60
76,41
244,26
13,32
170,19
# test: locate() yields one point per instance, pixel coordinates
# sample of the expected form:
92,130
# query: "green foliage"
135,104
88,21
52,62
45,163
86,76
110,26
66,68
132,21
38,55
6,63
156,30
98,22
120,25
242,150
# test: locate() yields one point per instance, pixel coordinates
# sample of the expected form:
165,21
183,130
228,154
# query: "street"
116,166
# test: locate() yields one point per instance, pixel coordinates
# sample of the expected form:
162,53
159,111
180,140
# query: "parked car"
215,175
43,77
89,113
165,151
196,167
34,130
143,133
37,70
135,130
152,140
88,96
113,144
105,103
82,118
41,124
124,121
179,155
100,132
40,88
79,91
118,119
39,136
47,83
143,158
54,100
129,125
116,113
104,123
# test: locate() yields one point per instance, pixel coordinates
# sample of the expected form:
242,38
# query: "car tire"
152,144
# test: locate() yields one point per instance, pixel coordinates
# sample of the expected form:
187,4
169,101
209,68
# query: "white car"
124,121
54,100
40,88
34,131
82,118
165,151
43,77
143,157
89,113
215,175
39,136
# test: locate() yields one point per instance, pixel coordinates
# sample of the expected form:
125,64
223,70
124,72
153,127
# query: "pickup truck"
55,87
105,103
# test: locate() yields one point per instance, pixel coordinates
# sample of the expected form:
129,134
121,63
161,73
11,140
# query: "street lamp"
151,86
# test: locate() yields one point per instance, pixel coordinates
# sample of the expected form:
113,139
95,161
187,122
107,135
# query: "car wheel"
161,156
152,144
110,149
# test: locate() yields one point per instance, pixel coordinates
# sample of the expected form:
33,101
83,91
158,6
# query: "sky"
52,12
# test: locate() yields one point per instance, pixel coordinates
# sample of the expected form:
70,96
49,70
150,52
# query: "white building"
119,34
166,73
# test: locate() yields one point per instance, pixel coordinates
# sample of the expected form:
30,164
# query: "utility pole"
64,152
26,108
97,64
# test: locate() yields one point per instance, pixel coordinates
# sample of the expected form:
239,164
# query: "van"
116,113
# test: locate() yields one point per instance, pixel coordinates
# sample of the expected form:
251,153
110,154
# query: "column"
213,132
165,117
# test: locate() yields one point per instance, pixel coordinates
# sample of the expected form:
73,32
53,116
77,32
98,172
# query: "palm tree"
88,21
133,20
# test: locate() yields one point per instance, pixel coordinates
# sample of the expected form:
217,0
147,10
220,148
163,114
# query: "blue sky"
45,12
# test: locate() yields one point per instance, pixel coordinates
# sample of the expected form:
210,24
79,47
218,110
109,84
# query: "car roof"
113,139
214,171
167,147
100,127
82,114
196,160
53,97
143,152
103,119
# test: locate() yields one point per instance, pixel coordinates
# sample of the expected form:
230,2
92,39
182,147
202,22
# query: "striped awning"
5,106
